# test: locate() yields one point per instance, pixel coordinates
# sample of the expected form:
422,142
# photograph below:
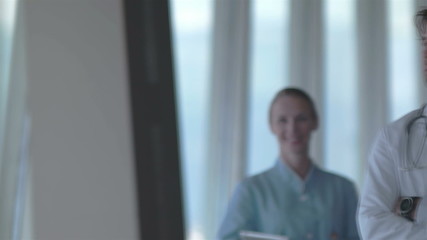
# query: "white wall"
82,175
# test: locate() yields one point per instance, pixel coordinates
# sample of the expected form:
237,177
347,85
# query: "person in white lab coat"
393,202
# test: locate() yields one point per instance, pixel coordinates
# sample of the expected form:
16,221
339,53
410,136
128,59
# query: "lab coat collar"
424,109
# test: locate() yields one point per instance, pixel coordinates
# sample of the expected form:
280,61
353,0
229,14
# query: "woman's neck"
299,163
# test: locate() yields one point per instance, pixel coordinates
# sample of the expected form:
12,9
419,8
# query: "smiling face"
292,120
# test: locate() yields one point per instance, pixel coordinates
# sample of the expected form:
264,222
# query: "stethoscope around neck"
411,164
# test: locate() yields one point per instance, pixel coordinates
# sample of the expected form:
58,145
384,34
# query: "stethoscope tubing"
408,164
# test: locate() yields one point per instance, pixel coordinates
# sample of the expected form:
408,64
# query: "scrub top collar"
292,178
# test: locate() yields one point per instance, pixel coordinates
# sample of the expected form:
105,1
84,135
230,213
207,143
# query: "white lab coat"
388,179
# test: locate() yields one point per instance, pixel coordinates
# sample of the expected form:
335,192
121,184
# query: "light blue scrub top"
277,201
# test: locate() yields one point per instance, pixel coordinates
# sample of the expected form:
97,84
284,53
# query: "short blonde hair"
294,92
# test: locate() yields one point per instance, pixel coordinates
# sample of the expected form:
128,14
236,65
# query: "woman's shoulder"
402,122
334,178
259,179
393,131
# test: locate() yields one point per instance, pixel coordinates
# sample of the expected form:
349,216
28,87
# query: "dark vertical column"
154,119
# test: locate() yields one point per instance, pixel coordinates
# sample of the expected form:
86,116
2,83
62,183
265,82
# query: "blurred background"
67,163
360,60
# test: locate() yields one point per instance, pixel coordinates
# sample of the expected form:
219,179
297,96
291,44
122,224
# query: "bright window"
7,23
13,133
191,24
340,121
268,75
403,62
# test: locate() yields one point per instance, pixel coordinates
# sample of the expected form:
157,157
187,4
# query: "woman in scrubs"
294,198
